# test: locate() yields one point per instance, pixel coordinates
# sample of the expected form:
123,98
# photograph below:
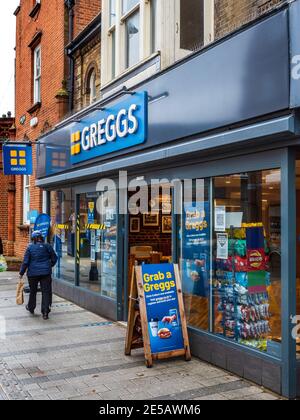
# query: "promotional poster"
162,307
195,250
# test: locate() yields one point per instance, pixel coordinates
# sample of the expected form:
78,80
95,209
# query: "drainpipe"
70,5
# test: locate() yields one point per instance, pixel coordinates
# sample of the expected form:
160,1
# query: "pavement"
77,355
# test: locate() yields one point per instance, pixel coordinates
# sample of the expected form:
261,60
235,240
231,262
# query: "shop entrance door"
149,235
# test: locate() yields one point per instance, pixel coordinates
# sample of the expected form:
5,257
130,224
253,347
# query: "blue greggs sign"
121,126
17,159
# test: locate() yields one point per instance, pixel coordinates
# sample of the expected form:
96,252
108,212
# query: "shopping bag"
3,264
20,293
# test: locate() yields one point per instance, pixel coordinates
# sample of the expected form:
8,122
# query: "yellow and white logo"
18,158
76,143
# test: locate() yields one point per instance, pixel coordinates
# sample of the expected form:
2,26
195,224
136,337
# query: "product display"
241,287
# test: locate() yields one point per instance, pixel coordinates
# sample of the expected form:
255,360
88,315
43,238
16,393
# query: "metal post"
77,242
288,272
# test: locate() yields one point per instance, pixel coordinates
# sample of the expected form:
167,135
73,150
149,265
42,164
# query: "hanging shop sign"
160,313
42,224
17,159
118,127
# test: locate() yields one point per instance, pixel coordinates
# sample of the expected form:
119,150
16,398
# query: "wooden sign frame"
137,310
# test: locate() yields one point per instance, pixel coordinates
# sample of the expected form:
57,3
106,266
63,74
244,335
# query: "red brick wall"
85,11
7,186
52,20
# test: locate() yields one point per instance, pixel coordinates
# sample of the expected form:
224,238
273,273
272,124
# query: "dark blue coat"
38,260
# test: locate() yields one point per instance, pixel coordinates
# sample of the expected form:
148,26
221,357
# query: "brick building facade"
42,70
232,14
7,190
49,25
84,50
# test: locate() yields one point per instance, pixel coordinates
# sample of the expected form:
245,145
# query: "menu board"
161,310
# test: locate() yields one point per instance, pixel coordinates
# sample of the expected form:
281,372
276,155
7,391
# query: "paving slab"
78,355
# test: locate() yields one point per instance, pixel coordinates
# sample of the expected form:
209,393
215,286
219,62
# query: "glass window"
92,87
298,246
133,39
191,24
113,53
195,253
26,199
113,12
98,245
37,75
128,5
246,298
154,27
63,233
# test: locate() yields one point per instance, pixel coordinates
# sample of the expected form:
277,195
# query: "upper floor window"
91,86
129,25
127,5
194,25
37,71
133,39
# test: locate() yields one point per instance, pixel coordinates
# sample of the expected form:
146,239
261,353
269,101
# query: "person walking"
38,262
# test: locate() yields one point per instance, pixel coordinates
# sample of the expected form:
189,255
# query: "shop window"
298,246
246,287
64,233
195,253
98,245
230,258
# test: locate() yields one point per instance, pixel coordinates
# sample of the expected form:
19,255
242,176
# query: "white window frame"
209,27
116,32
37,75
26,199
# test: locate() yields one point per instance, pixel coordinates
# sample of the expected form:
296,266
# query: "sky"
7,55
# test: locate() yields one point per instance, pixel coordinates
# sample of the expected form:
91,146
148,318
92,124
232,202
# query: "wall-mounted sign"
118,127
17,159
23,119
34,122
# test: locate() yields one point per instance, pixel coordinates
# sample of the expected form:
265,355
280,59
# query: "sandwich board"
156,318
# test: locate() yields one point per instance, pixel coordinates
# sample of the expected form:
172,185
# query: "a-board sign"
157,319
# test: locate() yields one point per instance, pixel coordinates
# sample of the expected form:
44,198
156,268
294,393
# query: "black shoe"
45,317
27,309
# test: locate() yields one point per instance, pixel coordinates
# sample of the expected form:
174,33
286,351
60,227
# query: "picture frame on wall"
167,224
151,219
135,225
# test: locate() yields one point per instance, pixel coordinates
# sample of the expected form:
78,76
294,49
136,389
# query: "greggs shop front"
199,168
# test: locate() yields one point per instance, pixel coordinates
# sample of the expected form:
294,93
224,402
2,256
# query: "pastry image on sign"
164,333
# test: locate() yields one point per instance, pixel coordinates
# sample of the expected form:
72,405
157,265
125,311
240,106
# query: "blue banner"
17,159
42,224
118,127
196,249
163,315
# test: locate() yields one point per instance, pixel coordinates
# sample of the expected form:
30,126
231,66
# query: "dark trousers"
46,288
